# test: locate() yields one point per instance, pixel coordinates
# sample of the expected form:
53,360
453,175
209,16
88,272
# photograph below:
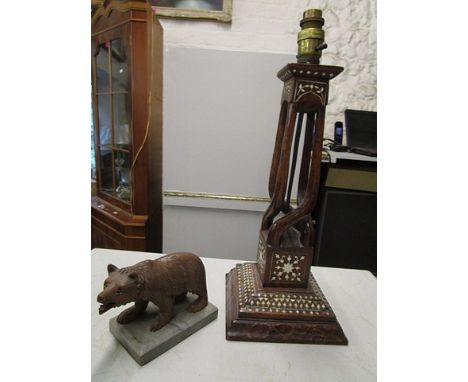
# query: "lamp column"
276,299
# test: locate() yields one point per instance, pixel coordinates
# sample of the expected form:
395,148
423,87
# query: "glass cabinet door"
111,106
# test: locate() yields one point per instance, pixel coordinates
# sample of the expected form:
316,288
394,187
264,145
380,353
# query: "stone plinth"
144,345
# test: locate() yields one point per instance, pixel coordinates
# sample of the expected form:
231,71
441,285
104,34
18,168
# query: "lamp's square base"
296,315
144,345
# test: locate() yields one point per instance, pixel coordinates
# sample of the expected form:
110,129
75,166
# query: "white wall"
219,131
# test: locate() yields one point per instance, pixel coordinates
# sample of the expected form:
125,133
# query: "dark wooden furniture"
126,62
347,215
277,299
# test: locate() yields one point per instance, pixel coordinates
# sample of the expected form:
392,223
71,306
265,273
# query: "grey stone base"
144,345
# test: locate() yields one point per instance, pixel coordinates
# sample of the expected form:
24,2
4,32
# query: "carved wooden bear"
164,281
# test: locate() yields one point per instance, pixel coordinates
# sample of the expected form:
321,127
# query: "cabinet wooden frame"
136,223
224,15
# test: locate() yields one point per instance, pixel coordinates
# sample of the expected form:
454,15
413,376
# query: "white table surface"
207,356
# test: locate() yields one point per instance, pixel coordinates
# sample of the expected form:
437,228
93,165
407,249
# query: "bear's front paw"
127,316
159,322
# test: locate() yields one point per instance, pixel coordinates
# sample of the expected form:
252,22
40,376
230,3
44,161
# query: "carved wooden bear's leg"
200,302
130,314
197,285
165,305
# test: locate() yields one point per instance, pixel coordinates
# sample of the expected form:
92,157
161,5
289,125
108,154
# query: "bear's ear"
111,268
134,277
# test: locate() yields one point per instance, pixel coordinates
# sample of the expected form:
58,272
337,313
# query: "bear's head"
120,288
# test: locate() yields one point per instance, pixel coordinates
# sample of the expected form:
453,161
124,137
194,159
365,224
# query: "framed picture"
220,10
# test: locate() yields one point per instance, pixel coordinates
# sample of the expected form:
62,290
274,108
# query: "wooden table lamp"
276,299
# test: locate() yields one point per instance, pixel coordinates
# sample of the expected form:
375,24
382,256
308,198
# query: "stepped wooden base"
296,315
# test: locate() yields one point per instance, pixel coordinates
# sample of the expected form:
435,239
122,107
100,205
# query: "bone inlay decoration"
296,303
318,89
261,255
288,89
287,268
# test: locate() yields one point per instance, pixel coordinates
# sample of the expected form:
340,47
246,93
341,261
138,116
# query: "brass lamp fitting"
310,40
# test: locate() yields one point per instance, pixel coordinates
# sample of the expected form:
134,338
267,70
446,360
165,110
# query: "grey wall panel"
212,232
220,116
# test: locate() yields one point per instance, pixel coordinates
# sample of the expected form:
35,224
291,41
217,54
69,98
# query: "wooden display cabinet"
126,63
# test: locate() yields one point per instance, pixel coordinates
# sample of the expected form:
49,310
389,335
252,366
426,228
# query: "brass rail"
209,195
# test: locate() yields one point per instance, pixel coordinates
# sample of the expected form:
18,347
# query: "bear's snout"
100,298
